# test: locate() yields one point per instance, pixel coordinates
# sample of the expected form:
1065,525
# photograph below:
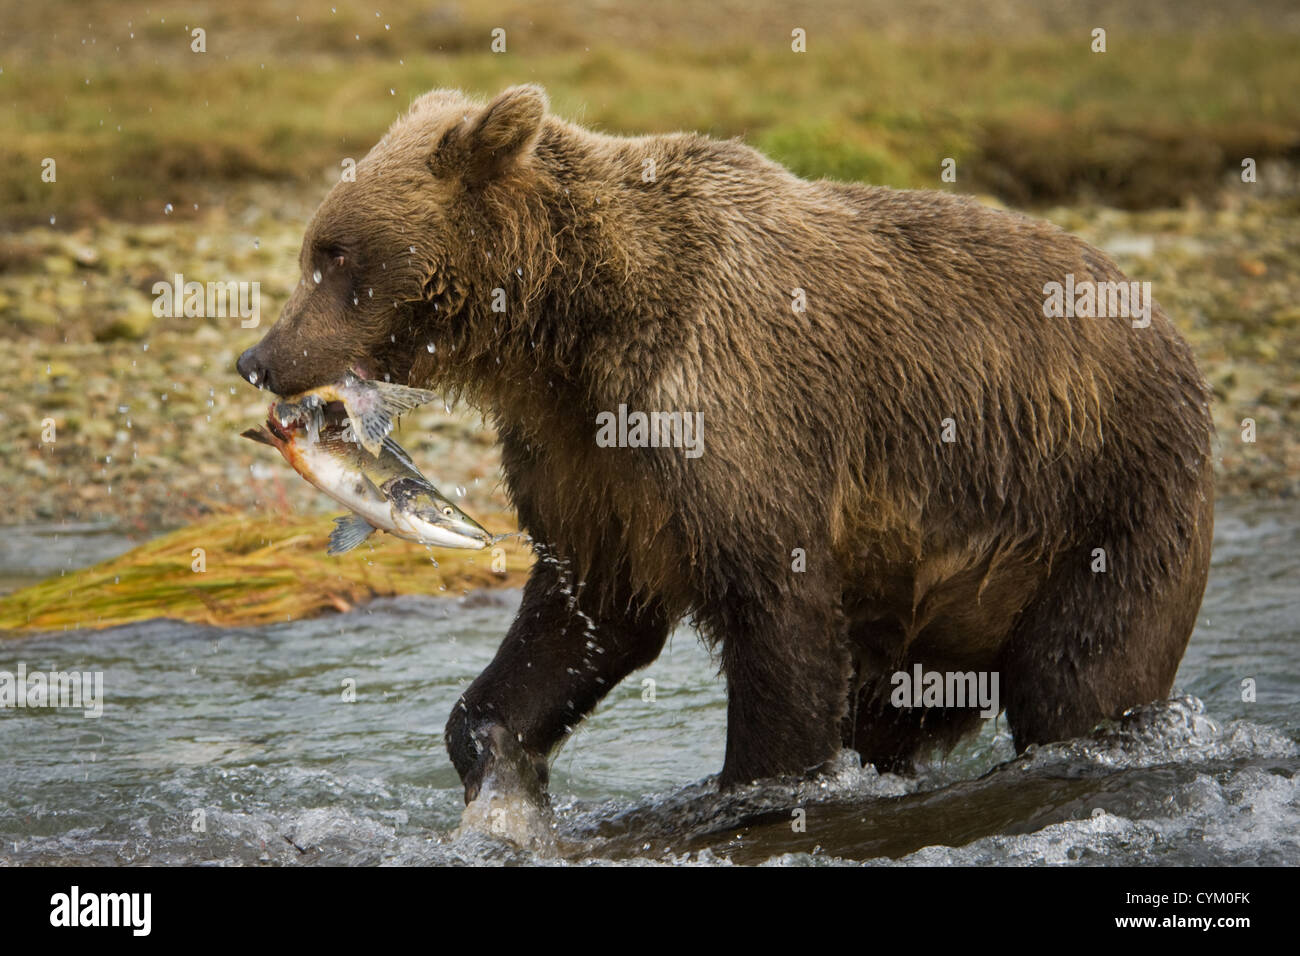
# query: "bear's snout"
253,368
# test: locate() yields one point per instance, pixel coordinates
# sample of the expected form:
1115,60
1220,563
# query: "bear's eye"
333,255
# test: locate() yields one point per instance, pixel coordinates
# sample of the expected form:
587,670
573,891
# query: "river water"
237,747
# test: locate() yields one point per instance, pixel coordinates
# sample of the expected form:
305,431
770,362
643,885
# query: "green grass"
1034,119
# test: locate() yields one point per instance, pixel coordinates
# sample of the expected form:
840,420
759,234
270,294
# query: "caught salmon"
384,491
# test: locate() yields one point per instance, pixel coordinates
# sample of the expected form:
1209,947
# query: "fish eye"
448,511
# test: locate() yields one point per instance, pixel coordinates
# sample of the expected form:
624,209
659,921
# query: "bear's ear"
486,142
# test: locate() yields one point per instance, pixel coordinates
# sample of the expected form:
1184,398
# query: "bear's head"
396,259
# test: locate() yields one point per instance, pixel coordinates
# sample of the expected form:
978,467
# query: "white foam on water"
1251,817
1237,800
1164,732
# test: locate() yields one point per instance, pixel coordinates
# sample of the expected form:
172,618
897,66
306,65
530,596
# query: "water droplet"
167,209
316,276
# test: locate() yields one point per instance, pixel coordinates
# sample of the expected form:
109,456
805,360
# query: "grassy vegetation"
136,123
257,571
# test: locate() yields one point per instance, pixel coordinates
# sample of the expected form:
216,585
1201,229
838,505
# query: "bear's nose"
251,369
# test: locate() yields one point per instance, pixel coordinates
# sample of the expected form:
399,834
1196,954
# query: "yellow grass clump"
254,570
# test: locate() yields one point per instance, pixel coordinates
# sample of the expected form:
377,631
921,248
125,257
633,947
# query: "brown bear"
910,447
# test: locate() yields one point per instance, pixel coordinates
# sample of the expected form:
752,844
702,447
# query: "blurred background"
209,164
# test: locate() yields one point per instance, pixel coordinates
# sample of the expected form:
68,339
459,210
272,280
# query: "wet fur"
821,431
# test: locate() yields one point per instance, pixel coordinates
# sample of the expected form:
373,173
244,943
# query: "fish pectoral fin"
349,531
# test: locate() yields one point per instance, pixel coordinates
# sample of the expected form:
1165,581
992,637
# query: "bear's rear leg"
1095,643
892,738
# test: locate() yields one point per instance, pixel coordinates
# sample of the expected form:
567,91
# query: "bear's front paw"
505,791
513,817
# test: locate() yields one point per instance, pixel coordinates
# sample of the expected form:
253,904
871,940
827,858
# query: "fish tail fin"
260,435
349,531
402,398
374,407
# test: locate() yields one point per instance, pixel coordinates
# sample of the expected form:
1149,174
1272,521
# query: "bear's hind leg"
1094,643
892,738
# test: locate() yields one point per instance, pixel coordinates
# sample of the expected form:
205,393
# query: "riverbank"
145,413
